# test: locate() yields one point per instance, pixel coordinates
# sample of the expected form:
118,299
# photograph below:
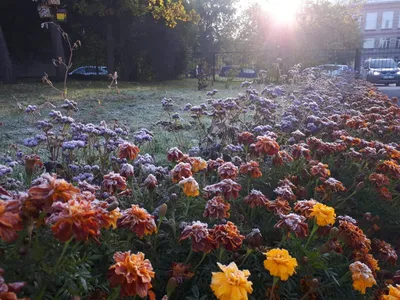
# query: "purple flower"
234,148
31,142
4,170
143,135
84,177
194,151
30,109
73,144
13,164
70,105
187,107
73,167
260,130
144,159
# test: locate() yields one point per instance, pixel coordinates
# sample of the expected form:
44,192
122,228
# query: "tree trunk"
110,48
6,68
58,49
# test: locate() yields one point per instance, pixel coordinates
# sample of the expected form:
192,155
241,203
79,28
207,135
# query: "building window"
384,43
398,42
371,20
387,20
369,43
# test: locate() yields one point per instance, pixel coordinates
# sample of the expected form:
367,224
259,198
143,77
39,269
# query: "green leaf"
196,292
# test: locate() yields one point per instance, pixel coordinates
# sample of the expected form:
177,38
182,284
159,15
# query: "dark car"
89,72
382,71
228,71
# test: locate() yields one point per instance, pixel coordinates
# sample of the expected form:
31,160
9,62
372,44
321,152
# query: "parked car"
241,72
335,70
89,72
381,70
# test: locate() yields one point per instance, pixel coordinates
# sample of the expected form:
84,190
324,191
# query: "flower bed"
289,195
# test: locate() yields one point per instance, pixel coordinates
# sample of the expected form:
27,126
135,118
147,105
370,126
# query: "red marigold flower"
320,169
46,190
266,146
293,223
256,198
8,290
352,235
254,239
246,138
379,180
331,185
174,154
299,150
385,194
213,165
228,171
10,220
228,236
305,207
30,162
251,168
200,236
85,186
389,167
137,220
331,245
198,164
181,272
217,208
128,151
385,250
127,171
132,272
180,171
150,182
282,157
227,187
350,141
75,219
113,182
285,191
279,207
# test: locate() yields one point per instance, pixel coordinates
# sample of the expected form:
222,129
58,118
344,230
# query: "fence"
222,66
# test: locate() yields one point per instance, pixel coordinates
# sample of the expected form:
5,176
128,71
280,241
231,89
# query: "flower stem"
315,228
62,254
274,282
189,256
248,252
220,254
204,256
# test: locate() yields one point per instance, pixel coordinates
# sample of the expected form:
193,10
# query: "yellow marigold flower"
231,283
394,293
190,187
362,276
280,264
198,164
325,215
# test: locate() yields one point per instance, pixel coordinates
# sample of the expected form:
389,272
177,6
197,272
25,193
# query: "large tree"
6,67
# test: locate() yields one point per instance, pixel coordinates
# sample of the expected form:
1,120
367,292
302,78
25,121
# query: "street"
391,90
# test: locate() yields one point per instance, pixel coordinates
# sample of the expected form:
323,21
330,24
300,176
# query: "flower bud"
254,239
150,182
171,286
163,210
127,170
305,259
334,231
360,186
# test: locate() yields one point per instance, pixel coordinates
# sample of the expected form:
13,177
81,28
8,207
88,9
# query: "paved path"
391,90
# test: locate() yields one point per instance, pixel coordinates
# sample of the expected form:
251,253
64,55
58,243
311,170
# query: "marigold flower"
251,168
10,220
199,234
379,180
330,185
213,165
127,171
279,207
301,150
132,272
228,170
254,239
76,219
352,235
394,293
227,187
280,264
350,141
30,162
231,283
246,138
113,182
128,151
321,170
190,187
137,220
174,154
293,223
217,208
228,236
198,164
362,276
181,272
282,157
180,171
8,290
107,218
256,198
285,191
389,167
369,260
385,251
266,146
324,215
304,207
150,182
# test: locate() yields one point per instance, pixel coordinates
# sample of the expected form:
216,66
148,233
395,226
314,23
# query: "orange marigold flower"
352,235
200,236
256,198
137,220
228,170
108,218
217,208
174,154
30,162
299,150
350,141
181,272
320,169
305,207
282,157
213,165
128,151
228,235
75,219
113,182
190,187
198,164
279,206
293,223
369,260
385,194
389,167
385,250
227,187
266,146
132,272
46,190
394,293
331,185
10,220
180,171
362,276
8,290
246,138
251,168
379,180
393,153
